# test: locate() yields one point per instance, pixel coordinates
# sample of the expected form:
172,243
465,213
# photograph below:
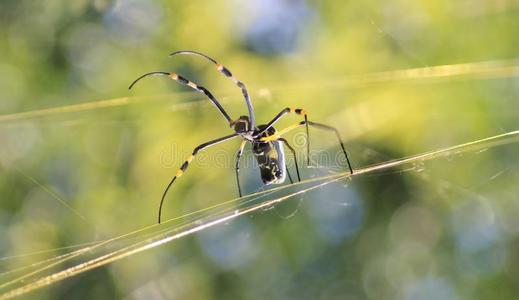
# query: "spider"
267,143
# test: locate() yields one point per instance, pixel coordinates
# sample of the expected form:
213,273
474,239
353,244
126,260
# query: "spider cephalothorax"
267,143
241,125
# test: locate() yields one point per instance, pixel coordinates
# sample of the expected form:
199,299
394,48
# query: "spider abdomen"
271,161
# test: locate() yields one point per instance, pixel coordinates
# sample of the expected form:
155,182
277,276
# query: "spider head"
241,125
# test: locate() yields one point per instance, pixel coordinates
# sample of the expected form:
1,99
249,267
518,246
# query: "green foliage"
397,79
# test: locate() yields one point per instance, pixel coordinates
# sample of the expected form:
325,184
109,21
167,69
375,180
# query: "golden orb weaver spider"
267,143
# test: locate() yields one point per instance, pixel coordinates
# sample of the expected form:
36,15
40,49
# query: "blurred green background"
445,229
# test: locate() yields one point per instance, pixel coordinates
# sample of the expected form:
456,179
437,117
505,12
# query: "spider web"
76,259
96,254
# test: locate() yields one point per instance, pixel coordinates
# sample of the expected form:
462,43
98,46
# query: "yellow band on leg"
280,133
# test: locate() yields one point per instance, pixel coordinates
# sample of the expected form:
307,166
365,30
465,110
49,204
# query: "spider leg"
186,82
282,113
317,125
295,159
238,157
330,128
228,74
184,166
289,176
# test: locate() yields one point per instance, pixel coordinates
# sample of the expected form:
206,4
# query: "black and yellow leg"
295,159
190,84
184,166
298,111
227,74
278,135
238,157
